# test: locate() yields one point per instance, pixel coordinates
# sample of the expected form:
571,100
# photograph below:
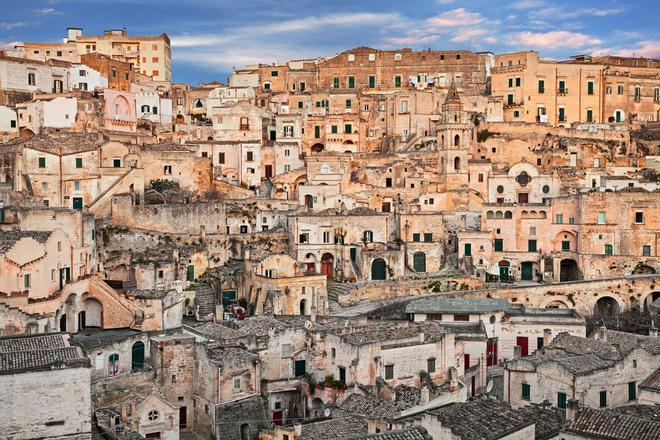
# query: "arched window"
457,163
490,214
457,140
508,214
145,109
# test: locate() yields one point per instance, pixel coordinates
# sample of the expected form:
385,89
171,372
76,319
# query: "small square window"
389,372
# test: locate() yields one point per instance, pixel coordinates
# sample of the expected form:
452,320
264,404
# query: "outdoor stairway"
335,290
205,303
266,189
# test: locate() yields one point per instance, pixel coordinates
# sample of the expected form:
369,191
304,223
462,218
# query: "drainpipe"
61,182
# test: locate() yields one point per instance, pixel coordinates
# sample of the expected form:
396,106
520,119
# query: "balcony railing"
563,91
244,127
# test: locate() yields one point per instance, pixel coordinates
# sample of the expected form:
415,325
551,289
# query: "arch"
606,308
317,408
457,140
63,322
508,214
245,431
504,273
457,163
490,214
499,214
309,201
180,119
442,140
145,109
302,307
120,106
348,142
378,269
643,269
650,299
568,270
81,320
327,264
317,148
557,304
137,356
419,262
93,312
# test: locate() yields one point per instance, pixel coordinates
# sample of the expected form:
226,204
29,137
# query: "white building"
85,78
34,76
8,120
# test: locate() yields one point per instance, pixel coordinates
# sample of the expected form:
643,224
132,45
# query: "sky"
210,37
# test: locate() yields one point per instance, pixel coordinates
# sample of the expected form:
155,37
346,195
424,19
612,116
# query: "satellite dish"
308,324
489,387
326,412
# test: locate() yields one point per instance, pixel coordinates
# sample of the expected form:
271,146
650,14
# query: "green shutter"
561,400
428,237
372,81
317,131
351,82
526,391
499,245
333,129
565,245
509,99
590,88
348,129
541,86
42,162
300,368
116,163
397,81
416,237
531,245
300,104
603,399
562,114
349,104
510,82
608,249
590,116
468,250
78,162
190,273
518,82
632,390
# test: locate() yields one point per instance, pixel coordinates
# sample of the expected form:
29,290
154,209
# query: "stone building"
46,383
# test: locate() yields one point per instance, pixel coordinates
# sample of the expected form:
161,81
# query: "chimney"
572,407
425,396
516,352
601,335
547,336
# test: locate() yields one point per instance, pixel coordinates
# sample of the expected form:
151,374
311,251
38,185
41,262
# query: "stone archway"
378,269
317,148
568,270
327,264
302,308
606,308
650,299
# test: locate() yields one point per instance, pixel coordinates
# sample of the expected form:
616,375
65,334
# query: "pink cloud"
456,17
468,34
553,39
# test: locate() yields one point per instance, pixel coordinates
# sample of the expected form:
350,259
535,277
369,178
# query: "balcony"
507,69
562,92
244,127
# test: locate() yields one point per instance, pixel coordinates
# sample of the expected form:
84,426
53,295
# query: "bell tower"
454,132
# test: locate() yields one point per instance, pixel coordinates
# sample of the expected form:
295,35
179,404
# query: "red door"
277,417
521,341
491,352
311,267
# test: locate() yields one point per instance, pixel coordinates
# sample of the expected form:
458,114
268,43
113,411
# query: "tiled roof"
412,396
457,305
228,356
9,238
218,332
165,146
387,332
25,353
414,433
613,425
335,429
260,326
547,421
372,407
488,419
66,143
652,382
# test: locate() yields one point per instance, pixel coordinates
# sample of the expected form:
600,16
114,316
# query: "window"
428,237
509,99
154,59
499,245
342,374
317,131
12,123
335,82
76,185
526,392
517,81
601,218
389,372
286,350
303,238
467,249
632,390
79,162
559,218
590,88
397,81
153,415
416,237
430,365
116,163
372,82
333,129
348,128
590,115
237,383
26,281
646,250
462,317
561,400
532,230
562,114
300,368
266,86
619,89
562,87
638,93
32,79
603,399
639,217
221,158
608,89
326,236
531,245
274,73
42,162
368,236
351,82
154,73
167,169
608,249
565,245
541,86
249,156
349,104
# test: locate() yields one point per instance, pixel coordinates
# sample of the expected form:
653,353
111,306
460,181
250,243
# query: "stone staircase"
266,189
205,304
335,290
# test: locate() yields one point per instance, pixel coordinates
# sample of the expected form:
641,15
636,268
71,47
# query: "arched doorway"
245,431
302,309
93,313
63,322
643,269
606,308
378,268
309,201
504,270
81,320
568,270
650,299
137,356
419,262
318,408
317,148
327,264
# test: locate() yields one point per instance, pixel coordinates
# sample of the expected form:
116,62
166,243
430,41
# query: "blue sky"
210,36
